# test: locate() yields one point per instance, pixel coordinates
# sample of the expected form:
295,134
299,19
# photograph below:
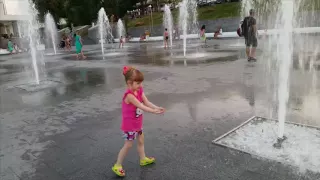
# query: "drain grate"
257,137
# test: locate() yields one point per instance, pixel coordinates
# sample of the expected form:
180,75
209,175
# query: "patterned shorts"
131,135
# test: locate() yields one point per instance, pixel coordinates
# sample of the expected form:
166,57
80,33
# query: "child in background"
134,102
203,34
166,38
10,46
121,42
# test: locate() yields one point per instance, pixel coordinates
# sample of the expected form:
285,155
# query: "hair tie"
126,69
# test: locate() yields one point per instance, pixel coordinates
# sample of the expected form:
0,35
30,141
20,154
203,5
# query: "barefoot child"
10,47
79,44
134,102
166,38
203,34
121,42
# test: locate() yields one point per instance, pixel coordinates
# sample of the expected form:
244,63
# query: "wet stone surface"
71,130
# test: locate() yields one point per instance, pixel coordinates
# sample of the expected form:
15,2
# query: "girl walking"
10,46
79,43
203,34
134,102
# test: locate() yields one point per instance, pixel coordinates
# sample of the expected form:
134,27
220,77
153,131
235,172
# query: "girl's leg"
140,147
123,152
83,57
117,168
143,159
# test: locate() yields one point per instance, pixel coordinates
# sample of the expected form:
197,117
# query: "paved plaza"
70,129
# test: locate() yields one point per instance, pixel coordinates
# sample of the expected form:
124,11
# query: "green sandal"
147,160
117,169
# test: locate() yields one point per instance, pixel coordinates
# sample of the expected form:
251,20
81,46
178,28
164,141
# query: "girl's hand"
157,111
161,109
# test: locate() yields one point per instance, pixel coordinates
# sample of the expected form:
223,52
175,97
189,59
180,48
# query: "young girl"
134,102
203,34
10,47
166,38
79,44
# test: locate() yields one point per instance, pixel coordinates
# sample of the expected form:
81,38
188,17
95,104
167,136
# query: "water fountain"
183,23
120,29
290,59
188,20
29,28
168,22
32,27
51,31
104,28
284,56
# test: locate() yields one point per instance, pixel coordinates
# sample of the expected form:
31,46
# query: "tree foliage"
81,12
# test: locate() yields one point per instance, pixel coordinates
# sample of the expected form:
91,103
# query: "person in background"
166,38
68,43
203,34
121,40
79,44
16,48
10,46
249,31
217,33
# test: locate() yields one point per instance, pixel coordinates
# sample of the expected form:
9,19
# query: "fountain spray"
168,22
120,29
104,27
51,31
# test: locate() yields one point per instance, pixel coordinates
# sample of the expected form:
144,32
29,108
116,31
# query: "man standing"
249,31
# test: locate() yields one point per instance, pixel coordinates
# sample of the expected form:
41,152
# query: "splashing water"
51,31
120,29
183,22
192,8
168,22
31,28
104,27
188,12
284,55
283,17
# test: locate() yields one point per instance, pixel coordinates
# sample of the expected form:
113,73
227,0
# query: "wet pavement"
71,130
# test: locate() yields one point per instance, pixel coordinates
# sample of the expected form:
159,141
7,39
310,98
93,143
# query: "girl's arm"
133,100
148,103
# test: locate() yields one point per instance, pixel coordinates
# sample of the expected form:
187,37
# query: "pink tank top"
132,117
166,34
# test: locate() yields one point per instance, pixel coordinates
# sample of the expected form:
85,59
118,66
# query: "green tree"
81,12
55,7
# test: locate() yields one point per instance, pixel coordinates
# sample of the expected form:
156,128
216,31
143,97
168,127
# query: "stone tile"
8,174
62,162
249,175
43,172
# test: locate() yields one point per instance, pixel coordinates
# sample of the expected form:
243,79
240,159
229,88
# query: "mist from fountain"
192,9
188,20
168,22
284,56
30,28
51,31
104,27
120,29
280,48
183,23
